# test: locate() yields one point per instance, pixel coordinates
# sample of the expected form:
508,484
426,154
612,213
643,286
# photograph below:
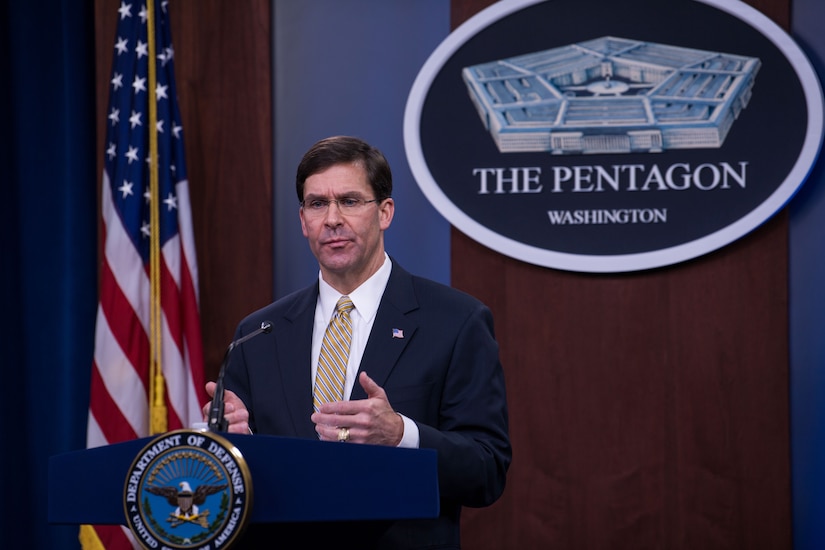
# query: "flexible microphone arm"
217,421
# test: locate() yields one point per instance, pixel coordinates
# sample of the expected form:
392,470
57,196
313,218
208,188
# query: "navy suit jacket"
444,374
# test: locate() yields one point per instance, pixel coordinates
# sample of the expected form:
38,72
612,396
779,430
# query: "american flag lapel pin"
397,333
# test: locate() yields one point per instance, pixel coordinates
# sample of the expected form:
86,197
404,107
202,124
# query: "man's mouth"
335,243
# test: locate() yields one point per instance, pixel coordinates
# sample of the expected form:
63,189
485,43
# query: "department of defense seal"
188,489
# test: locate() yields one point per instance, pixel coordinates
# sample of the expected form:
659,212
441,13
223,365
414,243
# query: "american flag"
119,407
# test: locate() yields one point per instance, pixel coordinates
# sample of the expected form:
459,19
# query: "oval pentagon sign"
604,136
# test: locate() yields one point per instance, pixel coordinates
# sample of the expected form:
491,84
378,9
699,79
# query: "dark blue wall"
807,318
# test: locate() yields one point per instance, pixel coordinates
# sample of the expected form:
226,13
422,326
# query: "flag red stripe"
113,537
171,303
124,323
191,328
114,425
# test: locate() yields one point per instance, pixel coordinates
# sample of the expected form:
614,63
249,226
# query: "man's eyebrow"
344,194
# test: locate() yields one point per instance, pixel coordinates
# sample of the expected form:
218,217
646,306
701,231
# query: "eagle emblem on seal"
186,502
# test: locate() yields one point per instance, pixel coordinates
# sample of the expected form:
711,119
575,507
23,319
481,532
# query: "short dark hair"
344,150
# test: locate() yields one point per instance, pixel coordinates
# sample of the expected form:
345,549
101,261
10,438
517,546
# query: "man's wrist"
409,438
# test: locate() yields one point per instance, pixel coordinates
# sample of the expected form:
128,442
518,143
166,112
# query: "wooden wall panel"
224,65
648,410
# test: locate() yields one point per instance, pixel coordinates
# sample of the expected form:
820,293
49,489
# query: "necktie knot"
344,305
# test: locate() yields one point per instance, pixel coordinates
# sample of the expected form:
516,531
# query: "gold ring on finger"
343,434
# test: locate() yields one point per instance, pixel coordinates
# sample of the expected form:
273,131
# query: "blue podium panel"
293,480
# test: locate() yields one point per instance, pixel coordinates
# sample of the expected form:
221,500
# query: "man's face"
349,245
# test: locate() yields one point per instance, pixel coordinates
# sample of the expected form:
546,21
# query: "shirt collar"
365,298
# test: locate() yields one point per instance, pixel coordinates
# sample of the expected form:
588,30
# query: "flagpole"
157,405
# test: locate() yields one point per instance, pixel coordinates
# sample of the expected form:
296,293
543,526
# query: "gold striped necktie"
332,362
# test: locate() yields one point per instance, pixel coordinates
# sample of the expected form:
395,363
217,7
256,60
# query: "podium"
370,483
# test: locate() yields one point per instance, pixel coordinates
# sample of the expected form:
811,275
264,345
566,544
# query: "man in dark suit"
422,365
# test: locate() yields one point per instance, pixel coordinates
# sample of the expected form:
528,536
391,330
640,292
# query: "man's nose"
333,214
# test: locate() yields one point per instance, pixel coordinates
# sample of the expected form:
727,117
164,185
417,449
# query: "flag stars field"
139,84
171,202
121,47
132,154
142,49
126,188
125,10
135,119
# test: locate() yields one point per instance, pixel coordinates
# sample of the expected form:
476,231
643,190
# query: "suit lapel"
294,357
392,330
381,354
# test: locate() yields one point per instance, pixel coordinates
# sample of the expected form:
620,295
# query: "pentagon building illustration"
611,95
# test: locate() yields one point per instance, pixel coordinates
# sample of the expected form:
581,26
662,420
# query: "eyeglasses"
346,205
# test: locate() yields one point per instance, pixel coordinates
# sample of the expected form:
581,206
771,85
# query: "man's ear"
386,212
303,222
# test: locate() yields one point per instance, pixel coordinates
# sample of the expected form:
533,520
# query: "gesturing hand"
371,420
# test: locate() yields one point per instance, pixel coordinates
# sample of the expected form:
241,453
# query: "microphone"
217,422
